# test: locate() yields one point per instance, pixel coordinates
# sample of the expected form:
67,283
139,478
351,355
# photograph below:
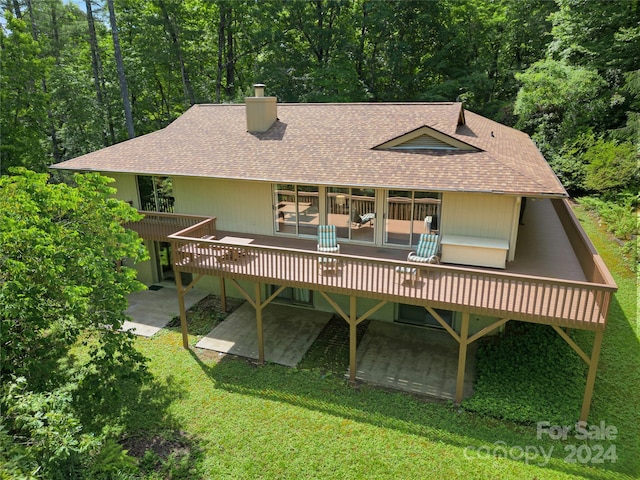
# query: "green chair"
328,239
427,249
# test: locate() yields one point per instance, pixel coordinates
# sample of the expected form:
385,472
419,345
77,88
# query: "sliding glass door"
410,213
352,211
156,193
296,209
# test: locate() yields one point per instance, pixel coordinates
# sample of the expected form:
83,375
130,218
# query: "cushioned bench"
476,251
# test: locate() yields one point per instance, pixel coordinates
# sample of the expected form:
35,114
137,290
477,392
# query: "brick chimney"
262,112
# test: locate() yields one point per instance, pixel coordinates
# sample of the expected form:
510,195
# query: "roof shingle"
333,144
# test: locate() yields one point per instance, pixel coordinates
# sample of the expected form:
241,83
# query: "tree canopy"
62,285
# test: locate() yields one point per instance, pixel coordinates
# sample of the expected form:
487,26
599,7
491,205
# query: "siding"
479,215
243,207
126,186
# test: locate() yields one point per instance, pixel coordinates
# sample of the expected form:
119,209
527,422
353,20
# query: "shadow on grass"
153,436
392,410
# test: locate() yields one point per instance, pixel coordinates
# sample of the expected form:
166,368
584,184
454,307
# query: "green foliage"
23,122
60,284
46,423
611,166
621,219
557,102
529,374
111,460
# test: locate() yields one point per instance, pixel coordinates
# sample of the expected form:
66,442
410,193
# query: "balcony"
157,226
557,277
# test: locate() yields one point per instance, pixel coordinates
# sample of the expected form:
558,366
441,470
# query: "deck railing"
159,225
537,299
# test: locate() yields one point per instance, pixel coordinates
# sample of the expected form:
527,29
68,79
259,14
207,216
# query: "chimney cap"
259,88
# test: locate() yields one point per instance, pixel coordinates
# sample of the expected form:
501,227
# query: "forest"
80,76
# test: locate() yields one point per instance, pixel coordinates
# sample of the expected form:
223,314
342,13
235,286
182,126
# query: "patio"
403,357
150,310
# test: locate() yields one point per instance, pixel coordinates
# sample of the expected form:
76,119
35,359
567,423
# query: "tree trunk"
230,64
96,66
124,89
16,9
172,30
221,36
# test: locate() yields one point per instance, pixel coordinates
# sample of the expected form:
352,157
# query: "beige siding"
148,270
238,206
126,186
479,215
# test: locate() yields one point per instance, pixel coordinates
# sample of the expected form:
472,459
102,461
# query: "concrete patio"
288,333
151,310
403,357
413,359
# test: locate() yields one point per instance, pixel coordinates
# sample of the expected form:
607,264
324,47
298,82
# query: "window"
410,213
156,193
346,208
296,209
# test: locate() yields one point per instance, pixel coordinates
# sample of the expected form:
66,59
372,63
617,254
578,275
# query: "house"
233,195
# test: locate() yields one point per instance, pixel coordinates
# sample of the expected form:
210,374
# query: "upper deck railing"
569,303
159,225
538,299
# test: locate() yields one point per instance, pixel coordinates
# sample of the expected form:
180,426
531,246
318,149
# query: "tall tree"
170,15
122,78
98,75
23,112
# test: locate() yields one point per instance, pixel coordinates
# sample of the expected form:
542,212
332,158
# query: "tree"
557,102
611,166
23,112
122,78
61,287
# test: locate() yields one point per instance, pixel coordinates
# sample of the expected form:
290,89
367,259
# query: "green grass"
232,419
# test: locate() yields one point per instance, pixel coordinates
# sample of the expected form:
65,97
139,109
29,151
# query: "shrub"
620,219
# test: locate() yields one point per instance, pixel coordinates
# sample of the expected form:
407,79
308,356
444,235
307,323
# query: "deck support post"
353,325
462,356
258,305
183,312
223,294
591,376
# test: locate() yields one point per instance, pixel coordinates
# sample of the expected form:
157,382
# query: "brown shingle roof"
332,144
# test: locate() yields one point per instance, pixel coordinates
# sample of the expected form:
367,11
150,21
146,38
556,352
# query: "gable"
425,138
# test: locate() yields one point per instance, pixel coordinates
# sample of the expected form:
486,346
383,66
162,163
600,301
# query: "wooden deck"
556,278
564,303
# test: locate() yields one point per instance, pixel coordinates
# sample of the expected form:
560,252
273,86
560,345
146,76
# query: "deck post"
223,295
258,304
591,376
462,356
183,312
353,324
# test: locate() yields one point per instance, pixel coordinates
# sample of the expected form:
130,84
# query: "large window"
410,213
297,210
353,212
156,193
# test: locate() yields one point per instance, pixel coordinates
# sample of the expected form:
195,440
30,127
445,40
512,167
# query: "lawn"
212,417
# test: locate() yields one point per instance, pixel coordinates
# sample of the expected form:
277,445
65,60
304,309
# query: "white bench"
476,251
